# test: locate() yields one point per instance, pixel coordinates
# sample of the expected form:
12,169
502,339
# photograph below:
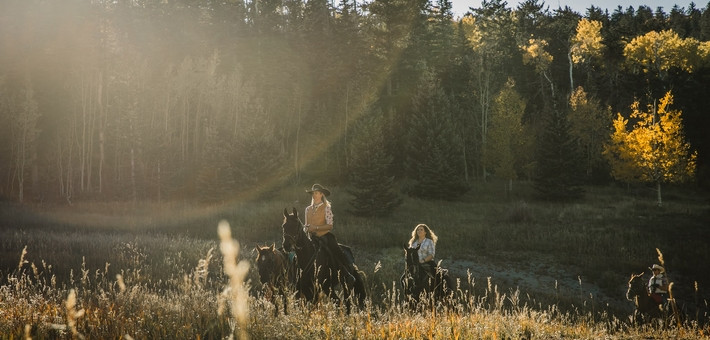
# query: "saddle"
347,251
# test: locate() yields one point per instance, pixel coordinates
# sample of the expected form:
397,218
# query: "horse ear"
285,212
295,212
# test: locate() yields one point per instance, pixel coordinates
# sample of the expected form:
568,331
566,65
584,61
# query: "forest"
210,101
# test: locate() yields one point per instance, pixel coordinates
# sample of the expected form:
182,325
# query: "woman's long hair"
323,199
429,234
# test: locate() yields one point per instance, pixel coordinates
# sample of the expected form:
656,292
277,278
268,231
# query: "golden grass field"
165,271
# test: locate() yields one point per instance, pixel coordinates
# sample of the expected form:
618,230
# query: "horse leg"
284,299
269,293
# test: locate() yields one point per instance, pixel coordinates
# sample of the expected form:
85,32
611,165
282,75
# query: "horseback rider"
424,238
658,284
319,224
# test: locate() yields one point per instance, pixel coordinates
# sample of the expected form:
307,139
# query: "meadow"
163,271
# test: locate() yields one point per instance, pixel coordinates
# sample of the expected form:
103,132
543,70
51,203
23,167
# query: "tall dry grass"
210,301
121,275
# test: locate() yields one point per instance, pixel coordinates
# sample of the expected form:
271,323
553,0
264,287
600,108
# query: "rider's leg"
339,255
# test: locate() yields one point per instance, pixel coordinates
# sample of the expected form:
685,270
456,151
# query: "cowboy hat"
318,187
655,266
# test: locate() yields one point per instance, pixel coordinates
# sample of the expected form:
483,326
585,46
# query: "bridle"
294,239
298,239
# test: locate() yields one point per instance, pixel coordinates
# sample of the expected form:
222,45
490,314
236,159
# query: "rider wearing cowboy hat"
319,223
658,284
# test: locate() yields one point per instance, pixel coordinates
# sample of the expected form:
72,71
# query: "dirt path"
540,277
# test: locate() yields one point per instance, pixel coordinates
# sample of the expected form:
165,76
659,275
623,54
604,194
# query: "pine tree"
434,161
559,172
372,189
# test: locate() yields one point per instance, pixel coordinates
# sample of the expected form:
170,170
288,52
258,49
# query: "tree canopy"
220,101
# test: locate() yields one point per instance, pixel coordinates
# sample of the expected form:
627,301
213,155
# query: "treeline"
212,100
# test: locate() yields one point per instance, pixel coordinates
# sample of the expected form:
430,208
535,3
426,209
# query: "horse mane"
630,286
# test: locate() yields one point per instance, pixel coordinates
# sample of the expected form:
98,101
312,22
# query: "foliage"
559,170
535,54
506,135
434,159
589,126
131,95
657,52
654,150
372,188
587,43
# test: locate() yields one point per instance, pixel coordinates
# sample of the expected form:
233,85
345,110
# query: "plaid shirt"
656,282
428,248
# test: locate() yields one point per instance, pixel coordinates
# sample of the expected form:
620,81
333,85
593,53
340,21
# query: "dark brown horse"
317,270
646,308
274,274
418,281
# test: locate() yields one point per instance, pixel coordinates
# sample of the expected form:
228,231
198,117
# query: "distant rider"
658,284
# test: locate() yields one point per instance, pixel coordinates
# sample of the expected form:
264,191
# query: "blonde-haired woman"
319,223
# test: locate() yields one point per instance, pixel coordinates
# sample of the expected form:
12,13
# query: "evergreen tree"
559,172
434,162
372,188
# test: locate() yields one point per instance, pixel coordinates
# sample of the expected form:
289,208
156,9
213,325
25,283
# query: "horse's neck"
414,268
641,290
304,246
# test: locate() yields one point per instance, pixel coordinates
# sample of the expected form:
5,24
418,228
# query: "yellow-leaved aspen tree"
654,150
586,45
534,53
655,53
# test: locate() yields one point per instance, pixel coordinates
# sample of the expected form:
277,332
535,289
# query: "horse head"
292,230
266,262
636,287
411,256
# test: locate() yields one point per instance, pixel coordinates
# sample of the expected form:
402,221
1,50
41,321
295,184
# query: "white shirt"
659,280
427,248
